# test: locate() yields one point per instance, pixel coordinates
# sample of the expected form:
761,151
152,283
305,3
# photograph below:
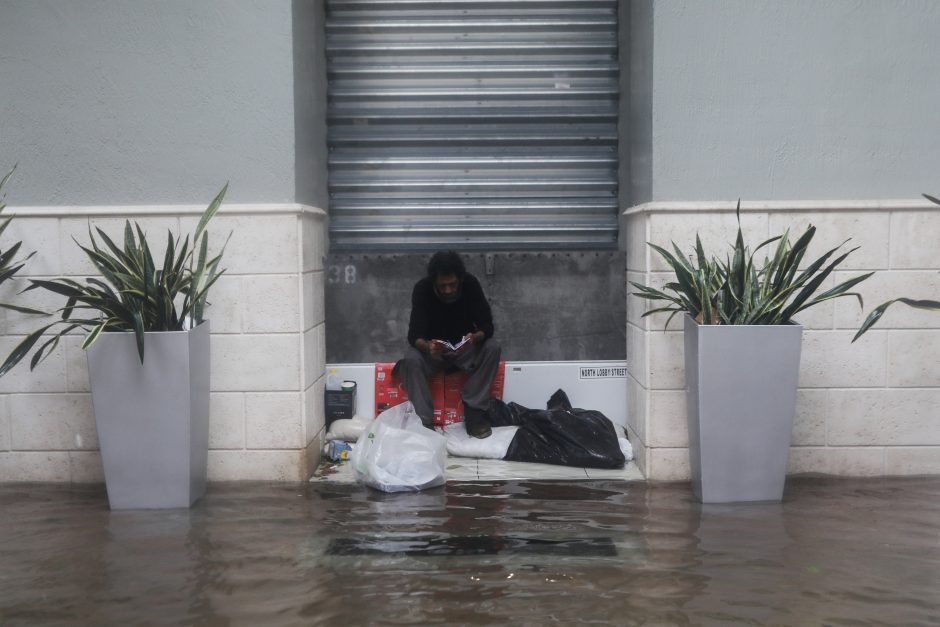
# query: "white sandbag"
459,444
347,429
399,454
626,448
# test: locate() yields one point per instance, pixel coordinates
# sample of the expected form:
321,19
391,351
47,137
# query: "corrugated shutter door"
473,125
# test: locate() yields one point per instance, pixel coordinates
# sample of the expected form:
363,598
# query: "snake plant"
879,311
9,264
742,289
132,294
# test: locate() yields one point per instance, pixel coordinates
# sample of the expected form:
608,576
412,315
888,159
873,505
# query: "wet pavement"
835,552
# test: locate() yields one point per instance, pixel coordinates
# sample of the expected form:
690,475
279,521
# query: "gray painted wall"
636,102
812,99
310,103
122,101
546,306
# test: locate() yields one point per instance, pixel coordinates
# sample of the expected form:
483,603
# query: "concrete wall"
117,109
812,111
121,102
636,102
868,408
805,99
547,306
267,344
310,150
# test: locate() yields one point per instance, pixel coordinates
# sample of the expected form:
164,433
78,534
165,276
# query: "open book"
453,347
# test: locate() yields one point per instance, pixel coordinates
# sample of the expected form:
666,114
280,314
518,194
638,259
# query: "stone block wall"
870,408
268,343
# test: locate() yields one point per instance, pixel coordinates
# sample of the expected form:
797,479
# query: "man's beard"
450,299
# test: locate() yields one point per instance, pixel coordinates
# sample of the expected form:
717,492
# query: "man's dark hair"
446,262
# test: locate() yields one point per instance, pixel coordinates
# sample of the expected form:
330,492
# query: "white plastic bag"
399,454
459,444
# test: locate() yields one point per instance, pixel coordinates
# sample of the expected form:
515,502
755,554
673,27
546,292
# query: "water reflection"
518,552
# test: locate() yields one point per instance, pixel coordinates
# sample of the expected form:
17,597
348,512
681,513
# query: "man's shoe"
476,423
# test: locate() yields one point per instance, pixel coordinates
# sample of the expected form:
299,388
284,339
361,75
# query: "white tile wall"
914,237
668,464
47,377
859,462
38,234
227,420
271,420
637,350
85,467
867,408
895,417
637,234
866,229
886,285
76,363
716,230
314,353
637,402
830,359
53,422
35,466
640,451
809,422
314,419
74,260
667,419
262,413
914,358
271,303
256,465
5,435
226,301
914,460
667,360
242,363
314,234
259,244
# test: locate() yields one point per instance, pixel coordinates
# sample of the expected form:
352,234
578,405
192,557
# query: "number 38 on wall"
341,274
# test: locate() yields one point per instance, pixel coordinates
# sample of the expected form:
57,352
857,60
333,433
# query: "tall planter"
741,384
152,418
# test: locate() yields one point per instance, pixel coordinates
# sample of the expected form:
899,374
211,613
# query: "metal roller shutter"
472,124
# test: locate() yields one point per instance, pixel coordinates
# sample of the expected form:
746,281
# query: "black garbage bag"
560,434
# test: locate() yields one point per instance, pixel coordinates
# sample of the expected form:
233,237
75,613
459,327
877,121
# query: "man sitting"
451,328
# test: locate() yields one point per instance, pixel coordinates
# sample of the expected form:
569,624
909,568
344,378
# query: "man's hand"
467,340
435,349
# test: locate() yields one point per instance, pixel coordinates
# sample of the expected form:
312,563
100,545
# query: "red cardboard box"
445,392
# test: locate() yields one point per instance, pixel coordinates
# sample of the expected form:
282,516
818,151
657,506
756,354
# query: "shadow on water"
515,552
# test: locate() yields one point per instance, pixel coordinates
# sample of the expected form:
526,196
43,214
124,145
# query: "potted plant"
742,356
151,409
9,264
879,311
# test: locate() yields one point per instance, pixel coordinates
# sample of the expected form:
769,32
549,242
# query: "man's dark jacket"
432,319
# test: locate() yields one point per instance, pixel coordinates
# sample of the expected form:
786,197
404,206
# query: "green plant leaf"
210,211
25,310
22,349
879,311
139,333
95,332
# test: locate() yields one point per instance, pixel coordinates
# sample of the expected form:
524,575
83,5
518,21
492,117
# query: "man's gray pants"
480,360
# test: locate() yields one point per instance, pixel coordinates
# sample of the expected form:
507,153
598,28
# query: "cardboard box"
445,392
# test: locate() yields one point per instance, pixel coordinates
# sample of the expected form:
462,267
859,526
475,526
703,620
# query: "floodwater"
835,552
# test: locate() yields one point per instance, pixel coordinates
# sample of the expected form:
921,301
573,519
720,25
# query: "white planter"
741,384
152,419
